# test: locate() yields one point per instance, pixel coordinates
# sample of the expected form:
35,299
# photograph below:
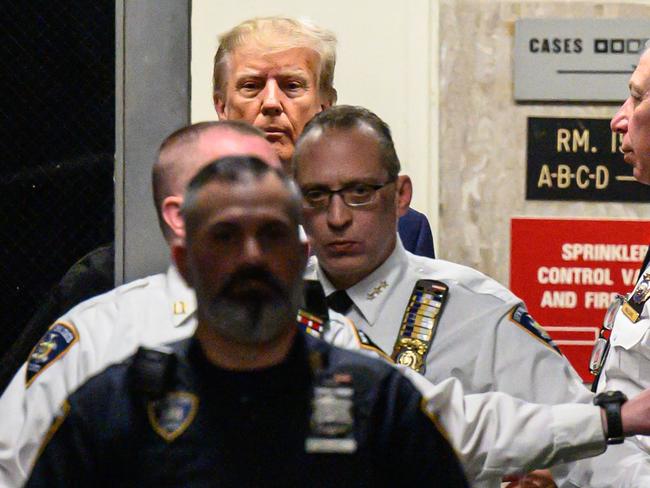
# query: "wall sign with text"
576,59
578,159
567,271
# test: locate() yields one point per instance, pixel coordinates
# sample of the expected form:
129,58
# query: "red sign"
567,271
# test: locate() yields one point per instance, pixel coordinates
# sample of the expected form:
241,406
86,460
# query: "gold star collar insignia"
376,291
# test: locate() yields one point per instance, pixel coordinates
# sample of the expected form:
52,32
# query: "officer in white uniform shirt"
459,323
626,367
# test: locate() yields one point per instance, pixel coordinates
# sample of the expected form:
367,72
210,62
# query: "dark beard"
253,307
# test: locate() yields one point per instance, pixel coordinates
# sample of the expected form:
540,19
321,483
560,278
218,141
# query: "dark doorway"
58,116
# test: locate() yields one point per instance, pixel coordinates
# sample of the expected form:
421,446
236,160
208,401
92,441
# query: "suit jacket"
415,232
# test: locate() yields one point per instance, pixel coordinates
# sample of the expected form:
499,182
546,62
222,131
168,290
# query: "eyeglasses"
601,346
353,195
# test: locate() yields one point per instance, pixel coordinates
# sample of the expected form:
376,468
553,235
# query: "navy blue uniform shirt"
247,428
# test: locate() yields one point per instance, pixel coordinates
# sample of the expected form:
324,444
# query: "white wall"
387,57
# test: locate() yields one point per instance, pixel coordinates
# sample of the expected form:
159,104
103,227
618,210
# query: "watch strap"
611,402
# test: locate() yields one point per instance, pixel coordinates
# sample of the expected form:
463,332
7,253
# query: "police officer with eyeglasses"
438,318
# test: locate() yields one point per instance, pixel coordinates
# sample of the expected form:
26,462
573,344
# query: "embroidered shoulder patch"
173,414
521,317
52,347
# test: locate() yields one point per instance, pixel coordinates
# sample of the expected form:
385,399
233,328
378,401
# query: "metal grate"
58,118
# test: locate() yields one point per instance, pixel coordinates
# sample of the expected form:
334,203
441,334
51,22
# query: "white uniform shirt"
477,339
495,434
627,368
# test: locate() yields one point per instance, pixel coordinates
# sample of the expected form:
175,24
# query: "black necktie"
340,302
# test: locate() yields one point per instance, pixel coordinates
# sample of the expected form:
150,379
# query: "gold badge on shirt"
171,415
419,324
633,305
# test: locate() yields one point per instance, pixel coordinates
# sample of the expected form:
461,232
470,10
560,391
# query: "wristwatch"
611,402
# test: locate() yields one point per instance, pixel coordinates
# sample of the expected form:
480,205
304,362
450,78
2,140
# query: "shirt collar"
181,297
370,294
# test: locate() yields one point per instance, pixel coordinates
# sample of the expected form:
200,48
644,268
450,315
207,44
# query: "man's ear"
179,255
171,213
219,106
403,194
327,102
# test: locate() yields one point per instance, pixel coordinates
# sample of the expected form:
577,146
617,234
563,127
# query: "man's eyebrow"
345,184
248,72
635,87
297,72
284,73
221,224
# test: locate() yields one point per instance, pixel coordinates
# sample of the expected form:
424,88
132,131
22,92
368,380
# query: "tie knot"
339,301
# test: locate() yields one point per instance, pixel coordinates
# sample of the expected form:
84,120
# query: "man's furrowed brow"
342,184
248,72
294,73
636,88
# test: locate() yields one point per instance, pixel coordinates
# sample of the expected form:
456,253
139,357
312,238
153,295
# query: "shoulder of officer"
95,321
112,298
150,371
344,360
102,402
458,275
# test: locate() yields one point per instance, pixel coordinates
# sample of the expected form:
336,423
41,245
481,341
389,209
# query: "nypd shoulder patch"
171,415
52,347
522,318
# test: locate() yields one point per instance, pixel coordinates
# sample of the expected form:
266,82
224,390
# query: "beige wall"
483,131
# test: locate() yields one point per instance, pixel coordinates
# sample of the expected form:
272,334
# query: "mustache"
239,279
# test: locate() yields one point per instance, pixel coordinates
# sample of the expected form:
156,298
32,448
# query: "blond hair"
277,34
